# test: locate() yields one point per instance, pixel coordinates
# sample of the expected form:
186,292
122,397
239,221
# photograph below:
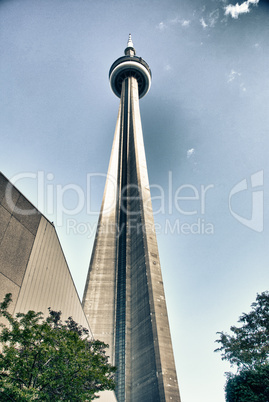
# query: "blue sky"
205,123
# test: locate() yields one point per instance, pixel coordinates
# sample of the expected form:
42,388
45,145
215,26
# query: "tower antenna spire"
130,42
130,50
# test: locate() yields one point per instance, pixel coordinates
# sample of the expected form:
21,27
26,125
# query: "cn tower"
124,297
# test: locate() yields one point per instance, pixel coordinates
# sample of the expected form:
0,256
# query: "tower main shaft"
124,296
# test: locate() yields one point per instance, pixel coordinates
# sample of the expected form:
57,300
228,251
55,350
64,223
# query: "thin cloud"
210,20
190,152
242,87
180,21
167,67
233,74
237,9
161,26
203,23
185,23
213,18
175,21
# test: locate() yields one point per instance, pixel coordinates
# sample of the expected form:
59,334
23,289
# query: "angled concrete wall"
32,264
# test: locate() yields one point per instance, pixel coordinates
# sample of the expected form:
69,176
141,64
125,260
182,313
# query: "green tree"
48,360
248,349
249,385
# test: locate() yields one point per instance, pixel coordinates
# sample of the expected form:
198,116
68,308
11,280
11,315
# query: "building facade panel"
32,264
16,237
4,220
8,194
48,282
27,214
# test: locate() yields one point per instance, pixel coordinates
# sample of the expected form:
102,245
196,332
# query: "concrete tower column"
124,298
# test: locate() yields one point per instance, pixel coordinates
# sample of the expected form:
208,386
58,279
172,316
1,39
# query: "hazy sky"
206,126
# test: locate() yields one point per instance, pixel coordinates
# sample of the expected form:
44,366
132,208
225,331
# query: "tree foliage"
48,360
249,343
248,349
251,385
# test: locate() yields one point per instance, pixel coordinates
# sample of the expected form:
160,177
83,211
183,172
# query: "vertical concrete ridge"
99,294
165,366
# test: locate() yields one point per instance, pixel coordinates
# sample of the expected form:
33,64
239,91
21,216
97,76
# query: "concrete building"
124,296
32,264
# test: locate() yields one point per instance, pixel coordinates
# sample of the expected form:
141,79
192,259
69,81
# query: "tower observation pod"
124,297
130,66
